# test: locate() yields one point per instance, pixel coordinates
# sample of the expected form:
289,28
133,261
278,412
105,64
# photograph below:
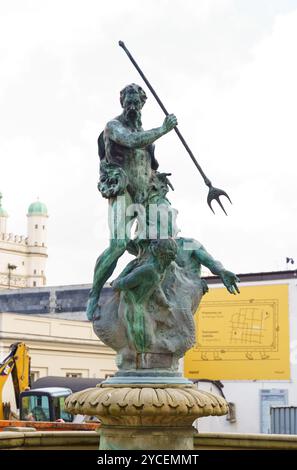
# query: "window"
42,244
268,398
34,283
43,227
35,243
34,375
36,226
36,408
74,374
42,272
59,409
35,271
23,263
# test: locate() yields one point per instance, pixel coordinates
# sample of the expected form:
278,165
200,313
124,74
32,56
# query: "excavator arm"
16,363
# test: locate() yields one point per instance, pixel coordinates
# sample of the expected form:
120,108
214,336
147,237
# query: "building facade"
52,323
23,258
57,346
246,349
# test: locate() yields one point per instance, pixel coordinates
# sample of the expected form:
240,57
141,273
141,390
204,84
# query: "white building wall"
28,254
246,394
30,264
36,264
13,251
14,257
3,224
37,230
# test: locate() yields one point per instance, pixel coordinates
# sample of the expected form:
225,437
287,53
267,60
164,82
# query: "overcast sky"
226,68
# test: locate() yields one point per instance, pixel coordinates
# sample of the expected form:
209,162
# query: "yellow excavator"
39,404
46,405
16,363
42,408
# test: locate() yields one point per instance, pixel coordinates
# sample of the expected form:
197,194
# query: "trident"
213,193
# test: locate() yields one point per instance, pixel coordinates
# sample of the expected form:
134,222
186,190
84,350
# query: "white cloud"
226,68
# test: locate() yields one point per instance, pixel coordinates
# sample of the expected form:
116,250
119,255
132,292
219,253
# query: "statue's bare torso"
136,162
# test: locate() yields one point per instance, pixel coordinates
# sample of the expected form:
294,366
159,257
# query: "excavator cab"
45,404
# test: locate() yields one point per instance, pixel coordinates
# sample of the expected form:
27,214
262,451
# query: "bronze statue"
128,168
147,316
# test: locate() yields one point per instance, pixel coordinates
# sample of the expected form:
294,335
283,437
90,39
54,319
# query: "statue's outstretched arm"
229,279
123,136
207,260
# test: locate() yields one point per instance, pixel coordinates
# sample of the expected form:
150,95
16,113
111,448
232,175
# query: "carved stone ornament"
146,417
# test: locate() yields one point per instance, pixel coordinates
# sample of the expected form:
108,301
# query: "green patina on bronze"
147,316
139,284
128,168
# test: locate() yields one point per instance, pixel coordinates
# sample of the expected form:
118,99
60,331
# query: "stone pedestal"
142,417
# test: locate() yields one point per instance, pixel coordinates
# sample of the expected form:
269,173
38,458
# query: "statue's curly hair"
163,247
137,88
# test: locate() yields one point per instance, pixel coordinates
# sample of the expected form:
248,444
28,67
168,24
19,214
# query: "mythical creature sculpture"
147,316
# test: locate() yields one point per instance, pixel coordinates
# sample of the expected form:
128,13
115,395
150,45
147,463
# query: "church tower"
37,243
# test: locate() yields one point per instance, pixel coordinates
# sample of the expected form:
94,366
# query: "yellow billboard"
243,337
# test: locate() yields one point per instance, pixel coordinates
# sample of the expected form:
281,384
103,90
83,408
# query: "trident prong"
214,194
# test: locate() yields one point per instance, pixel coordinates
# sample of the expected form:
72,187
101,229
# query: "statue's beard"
132,114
